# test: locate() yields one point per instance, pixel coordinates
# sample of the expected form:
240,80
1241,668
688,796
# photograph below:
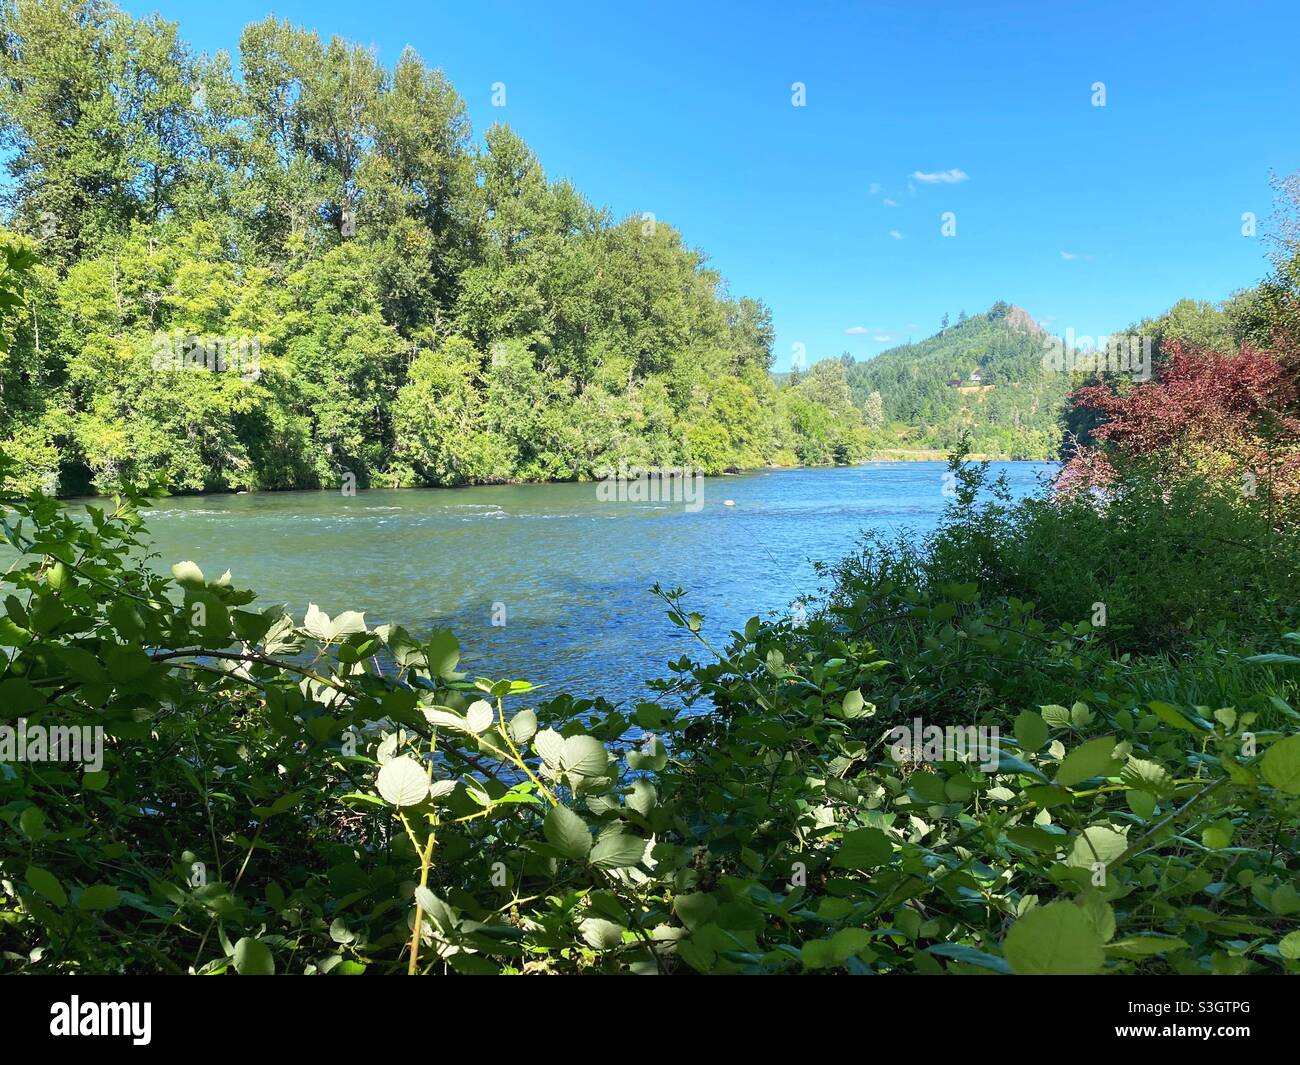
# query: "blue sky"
1088,217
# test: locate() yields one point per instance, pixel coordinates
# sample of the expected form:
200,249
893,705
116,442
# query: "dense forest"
982,377
304,270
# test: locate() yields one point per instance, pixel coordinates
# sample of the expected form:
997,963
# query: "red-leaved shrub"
1225,416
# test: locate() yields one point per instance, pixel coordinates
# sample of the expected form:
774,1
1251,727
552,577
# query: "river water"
567,573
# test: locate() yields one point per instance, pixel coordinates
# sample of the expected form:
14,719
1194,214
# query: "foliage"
313,795
928,400
1233,418
337,218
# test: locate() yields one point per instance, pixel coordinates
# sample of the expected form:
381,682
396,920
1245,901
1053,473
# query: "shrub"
316,796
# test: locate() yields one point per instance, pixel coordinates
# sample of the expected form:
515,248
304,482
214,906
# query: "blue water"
570,572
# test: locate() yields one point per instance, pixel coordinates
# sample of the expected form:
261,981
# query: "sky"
830,204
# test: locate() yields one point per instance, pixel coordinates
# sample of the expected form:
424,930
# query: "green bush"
1153,567
284,795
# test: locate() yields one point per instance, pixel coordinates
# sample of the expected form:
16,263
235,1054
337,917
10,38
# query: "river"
567,573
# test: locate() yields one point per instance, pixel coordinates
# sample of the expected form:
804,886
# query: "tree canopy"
413,306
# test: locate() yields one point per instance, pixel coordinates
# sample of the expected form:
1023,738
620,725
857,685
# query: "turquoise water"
571,573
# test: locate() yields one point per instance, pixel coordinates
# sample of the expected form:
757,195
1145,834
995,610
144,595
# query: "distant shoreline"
904,454
883,455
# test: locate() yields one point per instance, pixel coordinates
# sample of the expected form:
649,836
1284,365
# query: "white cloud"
882,338
874,188
1071,256
890,203
896,234
856,330
942,177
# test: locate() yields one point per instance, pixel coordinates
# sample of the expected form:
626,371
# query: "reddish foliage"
1230,414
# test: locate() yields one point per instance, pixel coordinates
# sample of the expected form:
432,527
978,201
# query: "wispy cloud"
890,203
856,330
896,234
1071,256
882,338
942,177
873,188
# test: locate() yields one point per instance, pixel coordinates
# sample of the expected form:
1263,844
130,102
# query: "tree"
425,308
97,117
873,411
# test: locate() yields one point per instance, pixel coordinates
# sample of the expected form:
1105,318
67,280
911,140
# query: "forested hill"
985,374
295,267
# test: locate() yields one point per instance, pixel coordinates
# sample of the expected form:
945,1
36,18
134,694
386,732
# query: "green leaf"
45,883
584,756
32,823
863,848
854,706
567,832
1031,730
1037,839
1281,765
549,744
523,727
1048,795
480,716
1142,803
98,897
403,782
1009,763
441,717
347,624
317,623
1096,843
1090,759
601,934
443,653
1289,948
18,696
695,909
253,958
1171,715
1056,716
643,797
817,954
617,850
1147,776
440,789
653,759
1058,939
847,942
1100,912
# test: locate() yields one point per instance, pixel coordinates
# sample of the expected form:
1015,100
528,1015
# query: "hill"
984,375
